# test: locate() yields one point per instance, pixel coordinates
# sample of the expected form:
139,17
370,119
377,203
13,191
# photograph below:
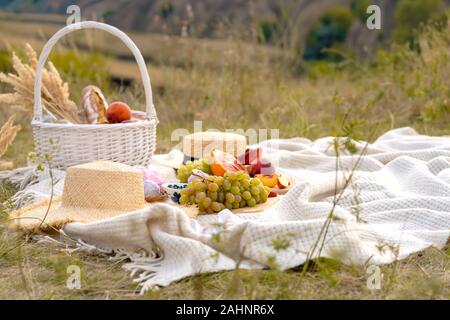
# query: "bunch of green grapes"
185,171
234,190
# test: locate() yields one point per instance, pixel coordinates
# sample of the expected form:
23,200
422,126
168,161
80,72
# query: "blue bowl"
173,190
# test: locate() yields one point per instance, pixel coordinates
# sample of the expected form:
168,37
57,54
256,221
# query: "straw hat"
92,191
200,144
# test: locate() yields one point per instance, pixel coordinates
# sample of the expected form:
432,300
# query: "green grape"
209,210
213,196
200,186
229,197
200,196
246,195
184,172
205,166
216,206
254,190
261,190
182,169
231,176
263,197
221,197
245,183
240,175
184,199
251,202
219,180
213,187
226,185
207,202
235,190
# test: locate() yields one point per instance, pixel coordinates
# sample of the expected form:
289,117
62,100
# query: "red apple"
118,112
283,181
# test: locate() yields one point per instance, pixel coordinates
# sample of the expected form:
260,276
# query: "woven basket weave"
71,144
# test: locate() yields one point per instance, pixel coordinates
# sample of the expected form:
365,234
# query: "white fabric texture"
397,203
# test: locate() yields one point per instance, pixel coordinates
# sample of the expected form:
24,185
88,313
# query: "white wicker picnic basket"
70,144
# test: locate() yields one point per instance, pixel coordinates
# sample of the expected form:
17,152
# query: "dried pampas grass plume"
55,92
7,135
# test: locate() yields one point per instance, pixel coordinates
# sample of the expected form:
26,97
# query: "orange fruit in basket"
222,162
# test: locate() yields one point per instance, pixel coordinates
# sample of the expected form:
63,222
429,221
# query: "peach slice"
269,180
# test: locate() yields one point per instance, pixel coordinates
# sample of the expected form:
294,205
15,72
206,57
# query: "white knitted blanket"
383,206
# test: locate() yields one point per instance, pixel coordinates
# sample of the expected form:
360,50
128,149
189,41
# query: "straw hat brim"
40,217
35,218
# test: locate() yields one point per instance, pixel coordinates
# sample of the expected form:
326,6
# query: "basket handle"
150,108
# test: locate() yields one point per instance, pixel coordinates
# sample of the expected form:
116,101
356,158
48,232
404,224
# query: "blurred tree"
328,32
166,9
411,14
267,30
359,9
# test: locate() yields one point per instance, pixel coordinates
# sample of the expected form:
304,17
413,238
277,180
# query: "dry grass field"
236,84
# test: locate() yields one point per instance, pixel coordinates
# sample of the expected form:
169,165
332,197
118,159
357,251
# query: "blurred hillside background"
292,23
301,66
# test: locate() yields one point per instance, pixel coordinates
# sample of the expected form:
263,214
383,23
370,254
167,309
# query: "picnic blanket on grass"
376,208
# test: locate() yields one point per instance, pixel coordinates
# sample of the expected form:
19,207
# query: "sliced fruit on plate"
223,162
283,181
269,180
272,194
